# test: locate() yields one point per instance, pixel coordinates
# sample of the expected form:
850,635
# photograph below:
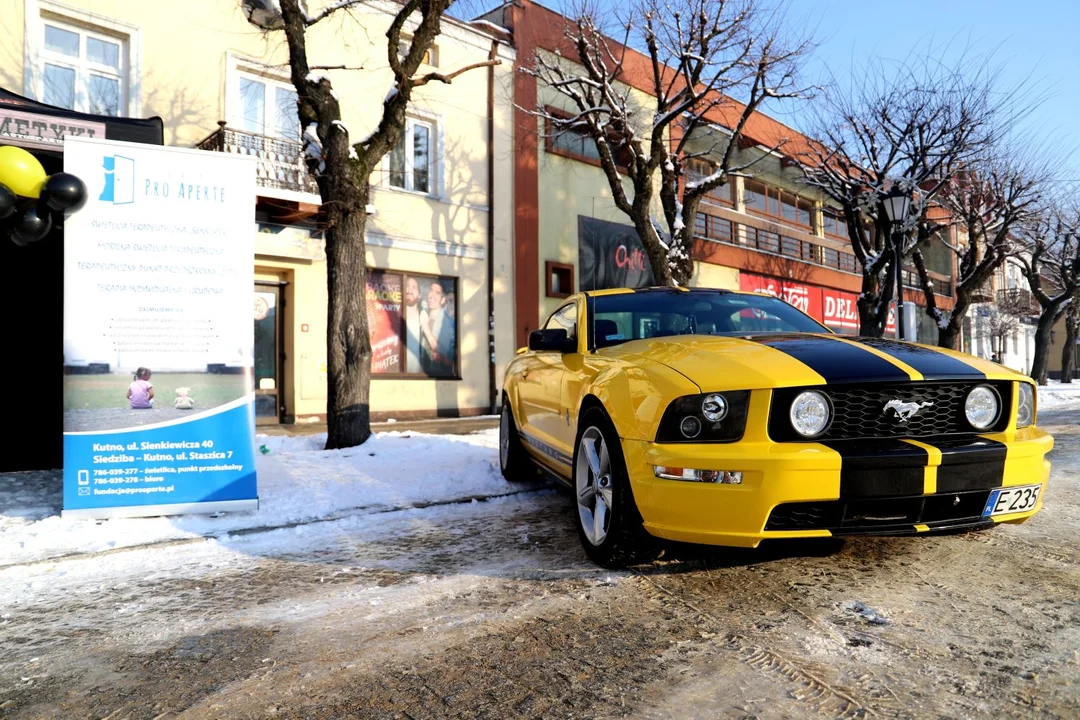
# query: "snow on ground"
1056,394
298,481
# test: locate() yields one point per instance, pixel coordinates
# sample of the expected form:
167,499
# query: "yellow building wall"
184,66
717,277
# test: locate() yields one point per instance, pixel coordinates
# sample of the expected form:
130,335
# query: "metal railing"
280,162
1019,301
722,230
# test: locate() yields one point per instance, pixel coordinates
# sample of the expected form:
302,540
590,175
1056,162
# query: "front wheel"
609,524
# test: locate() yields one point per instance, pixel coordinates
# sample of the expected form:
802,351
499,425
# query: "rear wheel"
609,524
513,462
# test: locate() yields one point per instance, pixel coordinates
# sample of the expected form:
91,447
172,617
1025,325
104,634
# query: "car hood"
791,360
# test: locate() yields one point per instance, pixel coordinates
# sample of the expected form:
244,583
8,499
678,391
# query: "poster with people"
158,336
416,335
384,321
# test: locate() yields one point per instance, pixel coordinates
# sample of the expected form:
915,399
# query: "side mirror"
551,341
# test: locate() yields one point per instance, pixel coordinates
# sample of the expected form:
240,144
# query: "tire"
601,487
513,461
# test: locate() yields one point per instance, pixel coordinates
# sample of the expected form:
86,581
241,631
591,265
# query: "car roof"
661,289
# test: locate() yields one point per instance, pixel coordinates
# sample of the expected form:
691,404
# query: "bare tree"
342,167
912,125
698,53
1051,264
1002,323
986,203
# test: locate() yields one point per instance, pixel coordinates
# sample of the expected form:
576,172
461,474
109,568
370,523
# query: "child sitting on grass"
140,391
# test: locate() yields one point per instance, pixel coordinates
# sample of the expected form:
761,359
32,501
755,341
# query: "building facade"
771,233
439,240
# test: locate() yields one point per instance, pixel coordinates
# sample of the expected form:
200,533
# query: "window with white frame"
412,161
266,107
82,69
431,56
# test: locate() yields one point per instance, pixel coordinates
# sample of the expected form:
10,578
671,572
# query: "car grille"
859,411
881,515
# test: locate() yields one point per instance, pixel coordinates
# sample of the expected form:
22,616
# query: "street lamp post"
897,202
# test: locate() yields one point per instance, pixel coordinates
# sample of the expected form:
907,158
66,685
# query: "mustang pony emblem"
905,410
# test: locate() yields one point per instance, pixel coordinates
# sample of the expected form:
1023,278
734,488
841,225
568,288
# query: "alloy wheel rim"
504,437
593,486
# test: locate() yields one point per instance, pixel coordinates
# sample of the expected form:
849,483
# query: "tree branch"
447,78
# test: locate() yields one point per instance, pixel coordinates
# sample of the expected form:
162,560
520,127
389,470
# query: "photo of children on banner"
430,335
140,392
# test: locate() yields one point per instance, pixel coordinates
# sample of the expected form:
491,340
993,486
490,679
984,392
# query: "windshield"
634,316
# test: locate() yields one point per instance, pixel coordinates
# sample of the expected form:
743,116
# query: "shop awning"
40,127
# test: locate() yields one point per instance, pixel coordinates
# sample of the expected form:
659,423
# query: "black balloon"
30,227
8,202
63,191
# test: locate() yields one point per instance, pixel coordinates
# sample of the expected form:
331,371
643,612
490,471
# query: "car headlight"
711,417
982,407
714,407
810,413
1025,412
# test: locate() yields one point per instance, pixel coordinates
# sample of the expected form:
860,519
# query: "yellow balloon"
21,171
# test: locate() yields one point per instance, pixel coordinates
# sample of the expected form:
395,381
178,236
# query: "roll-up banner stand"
158,333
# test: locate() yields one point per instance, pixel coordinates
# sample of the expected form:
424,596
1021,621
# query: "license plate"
1004,501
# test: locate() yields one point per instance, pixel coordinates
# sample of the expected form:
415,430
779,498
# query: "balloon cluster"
31,202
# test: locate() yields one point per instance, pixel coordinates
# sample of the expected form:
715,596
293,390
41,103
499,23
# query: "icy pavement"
298,482
489,608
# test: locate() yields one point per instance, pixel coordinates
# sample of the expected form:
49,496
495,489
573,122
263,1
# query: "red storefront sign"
805,297
835,308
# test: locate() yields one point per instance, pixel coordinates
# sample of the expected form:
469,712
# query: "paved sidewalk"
436,426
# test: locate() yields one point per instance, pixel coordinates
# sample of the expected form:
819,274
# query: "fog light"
690,427
719,477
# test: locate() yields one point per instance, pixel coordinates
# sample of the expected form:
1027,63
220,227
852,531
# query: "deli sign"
835,308
43,132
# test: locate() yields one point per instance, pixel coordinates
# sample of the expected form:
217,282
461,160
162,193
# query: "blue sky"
1036,38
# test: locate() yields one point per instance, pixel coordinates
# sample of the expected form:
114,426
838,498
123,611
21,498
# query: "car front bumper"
798,490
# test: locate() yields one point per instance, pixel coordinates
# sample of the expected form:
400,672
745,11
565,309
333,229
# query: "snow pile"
1055,394
298,481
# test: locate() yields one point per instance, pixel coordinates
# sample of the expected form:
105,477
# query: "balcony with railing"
280,168
1018,301
774,239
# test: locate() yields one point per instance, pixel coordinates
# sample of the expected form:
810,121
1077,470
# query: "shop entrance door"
269,355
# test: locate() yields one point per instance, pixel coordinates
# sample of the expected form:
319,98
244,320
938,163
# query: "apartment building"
441,231
771,233
1001,323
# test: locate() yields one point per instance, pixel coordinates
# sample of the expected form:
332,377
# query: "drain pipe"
493,393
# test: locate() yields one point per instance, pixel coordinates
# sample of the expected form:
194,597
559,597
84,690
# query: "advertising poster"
384,321
158,332
611,255
430,316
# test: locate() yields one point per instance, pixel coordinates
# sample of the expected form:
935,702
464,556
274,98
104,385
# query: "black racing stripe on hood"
933,365
969,463
835,360
880,468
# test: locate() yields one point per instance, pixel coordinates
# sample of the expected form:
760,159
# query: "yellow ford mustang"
728,418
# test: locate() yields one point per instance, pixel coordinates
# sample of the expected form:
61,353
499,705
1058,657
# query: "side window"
565,318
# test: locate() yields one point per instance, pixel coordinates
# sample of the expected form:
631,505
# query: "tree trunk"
873,307
1068,353
1041,361
348,344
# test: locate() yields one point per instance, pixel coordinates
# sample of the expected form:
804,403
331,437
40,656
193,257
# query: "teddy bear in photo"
183,400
